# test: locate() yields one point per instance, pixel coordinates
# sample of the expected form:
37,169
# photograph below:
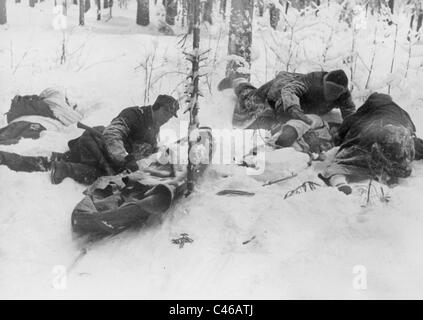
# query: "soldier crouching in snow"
100,151
378,142
289,96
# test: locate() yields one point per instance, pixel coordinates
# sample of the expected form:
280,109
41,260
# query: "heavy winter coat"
132,129
305,91
379,138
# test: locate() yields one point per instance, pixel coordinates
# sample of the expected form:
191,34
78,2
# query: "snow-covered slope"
244,247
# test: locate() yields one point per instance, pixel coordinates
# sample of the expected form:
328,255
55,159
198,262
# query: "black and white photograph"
211,150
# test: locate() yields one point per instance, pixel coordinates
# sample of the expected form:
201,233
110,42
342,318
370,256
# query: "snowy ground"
302,247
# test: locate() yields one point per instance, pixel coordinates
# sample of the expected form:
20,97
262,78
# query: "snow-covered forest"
109,55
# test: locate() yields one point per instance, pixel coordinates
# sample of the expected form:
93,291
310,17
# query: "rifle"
91,130
269,183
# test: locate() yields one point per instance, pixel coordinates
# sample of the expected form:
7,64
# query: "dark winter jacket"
378,111
382,135
305,91
132,128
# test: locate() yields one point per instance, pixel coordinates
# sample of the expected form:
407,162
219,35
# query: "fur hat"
335,83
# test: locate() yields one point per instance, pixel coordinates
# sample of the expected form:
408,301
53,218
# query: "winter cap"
335,83
339,77
169,102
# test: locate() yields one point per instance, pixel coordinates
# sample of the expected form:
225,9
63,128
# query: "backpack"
28,106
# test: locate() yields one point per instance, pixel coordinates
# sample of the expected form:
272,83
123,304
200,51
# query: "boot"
339,181
79,172
17,162
225,83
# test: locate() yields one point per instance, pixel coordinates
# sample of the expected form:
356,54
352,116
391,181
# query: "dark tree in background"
260,7
98,3
171,11
81,12
240,37
3,13
143,12
207,9
223,4
416,19
391,5
275,15
32,3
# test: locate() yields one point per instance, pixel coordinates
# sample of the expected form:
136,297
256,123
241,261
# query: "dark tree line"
3,13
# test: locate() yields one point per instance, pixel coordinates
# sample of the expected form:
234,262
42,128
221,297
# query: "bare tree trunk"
207,11
391,5
98,2
184,12
260,6
143,12
275,15
171,11
81,12
419,21
240,37
65,7
223,4
190,16
194,121
3,12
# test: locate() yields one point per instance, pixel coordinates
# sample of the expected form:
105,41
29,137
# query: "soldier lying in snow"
30,115
300,136
379,141
289,96
304,138
100,151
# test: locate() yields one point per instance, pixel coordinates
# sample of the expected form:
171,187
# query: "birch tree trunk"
240,38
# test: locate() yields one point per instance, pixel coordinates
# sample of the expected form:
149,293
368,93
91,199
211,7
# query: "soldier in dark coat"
101,151
378,141
131,136
290,96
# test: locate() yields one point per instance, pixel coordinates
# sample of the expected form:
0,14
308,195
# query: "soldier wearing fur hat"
290,96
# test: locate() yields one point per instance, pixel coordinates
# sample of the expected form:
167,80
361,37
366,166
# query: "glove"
296,113
131,163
